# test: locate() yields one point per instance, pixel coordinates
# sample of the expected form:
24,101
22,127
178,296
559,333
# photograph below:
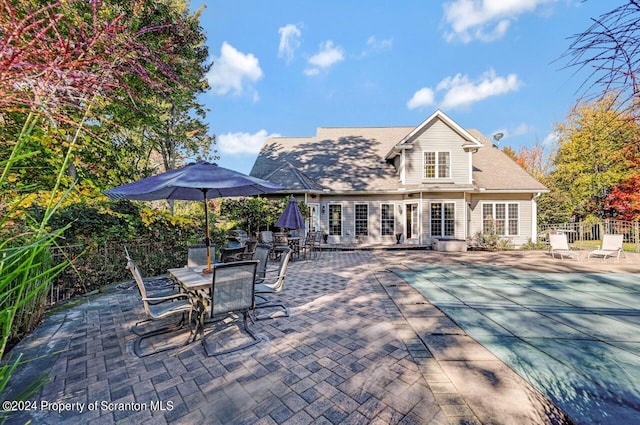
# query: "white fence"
585,235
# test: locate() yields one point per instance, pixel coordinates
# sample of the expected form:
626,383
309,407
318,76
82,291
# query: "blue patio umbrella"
291,217
199,181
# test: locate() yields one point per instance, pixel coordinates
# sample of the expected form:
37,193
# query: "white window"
437,165
335,219
387,219
501,218
443,219
362,220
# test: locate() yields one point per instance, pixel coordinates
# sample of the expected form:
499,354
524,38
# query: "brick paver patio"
353,351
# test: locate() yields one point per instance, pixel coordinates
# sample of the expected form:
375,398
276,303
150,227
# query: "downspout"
421,215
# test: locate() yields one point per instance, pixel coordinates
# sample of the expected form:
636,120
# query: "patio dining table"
195,283
191,279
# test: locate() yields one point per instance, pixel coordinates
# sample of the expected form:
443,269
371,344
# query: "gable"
436,138
469,141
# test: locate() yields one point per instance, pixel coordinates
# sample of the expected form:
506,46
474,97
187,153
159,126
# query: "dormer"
437,152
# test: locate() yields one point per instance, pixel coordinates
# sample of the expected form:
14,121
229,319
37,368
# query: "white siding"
438,137
525,211
460,214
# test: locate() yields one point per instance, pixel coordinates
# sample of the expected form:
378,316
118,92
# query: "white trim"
355,204
417,224
315,221
394,210
506,218
403,144
437,164
329,204
442,219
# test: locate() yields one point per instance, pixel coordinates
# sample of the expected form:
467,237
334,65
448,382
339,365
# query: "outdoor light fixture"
323,209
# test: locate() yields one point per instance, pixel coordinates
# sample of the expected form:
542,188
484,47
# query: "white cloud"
485,20
460,91
289,41
421,98
242,143
551,139
374,45
233,71
523,129
327,56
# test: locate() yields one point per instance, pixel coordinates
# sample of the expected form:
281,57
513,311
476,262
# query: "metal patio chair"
273,285
160,309
231,295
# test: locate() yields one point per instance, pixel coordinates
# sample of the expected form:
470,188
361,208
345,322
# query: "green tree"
593,156
151,117
61,65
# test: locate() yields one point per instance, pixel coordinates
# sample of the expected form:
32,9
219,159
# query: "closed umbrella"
291,217
194,182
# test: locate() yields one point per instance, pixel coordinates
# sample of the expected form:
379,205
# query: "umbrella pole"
207,240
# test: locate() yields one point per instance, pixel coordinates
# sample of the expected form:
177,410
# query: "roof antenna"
497,137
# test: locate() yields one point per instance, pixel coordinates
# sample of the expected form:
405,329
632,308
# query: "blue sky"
288,67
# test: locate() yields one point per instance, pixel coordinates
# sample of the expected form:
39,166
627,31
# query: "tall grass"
26,270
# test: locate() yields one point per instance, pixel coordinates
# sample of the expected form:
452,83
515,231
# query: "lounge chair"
273,285
560,246
231,294
611,247
160,308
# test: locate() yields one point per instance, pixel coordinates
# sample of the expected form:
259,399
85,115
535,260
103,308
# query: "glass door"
413,223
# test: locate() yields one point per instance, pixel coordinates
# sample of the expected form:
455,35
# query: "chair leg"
268,304
136,328
211,352
137,349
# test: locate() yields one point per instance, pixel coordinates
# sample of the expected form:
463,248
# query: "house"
377,185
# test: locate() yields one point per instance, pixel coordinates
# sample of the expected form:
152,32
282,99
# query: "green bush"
490,240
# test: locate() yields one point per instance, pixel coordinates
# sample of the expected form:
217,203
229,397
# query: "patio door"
313,222
413,224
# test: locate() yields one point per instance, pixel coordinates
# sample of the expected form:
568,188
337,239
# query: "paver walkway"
353,351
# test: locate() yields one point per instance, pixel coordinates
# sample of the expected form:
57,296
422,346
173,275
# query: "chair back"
280,239
250,246
261,253
266,236
311,237
278,285
232,288
137,276
230,254
197,255
558,242
611,242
